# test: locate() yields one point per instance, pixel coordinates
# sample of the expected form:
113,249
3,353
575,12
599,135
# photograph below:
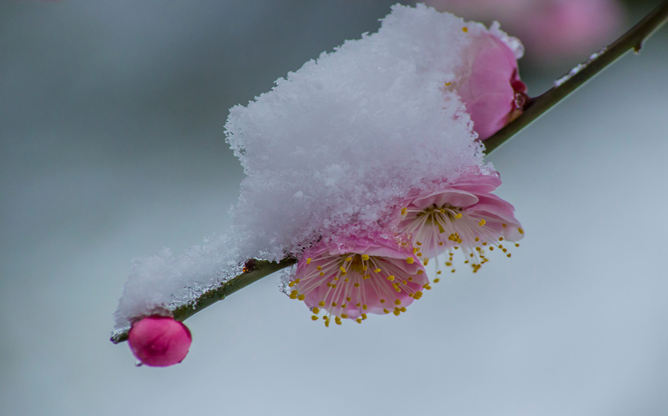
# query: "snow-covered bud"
348,277
159,341
490,87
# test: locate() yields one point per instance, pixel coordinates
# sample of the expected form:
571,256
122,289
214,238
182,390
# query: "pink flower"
463,214
351,276
491,88
559,28
159,341
551,29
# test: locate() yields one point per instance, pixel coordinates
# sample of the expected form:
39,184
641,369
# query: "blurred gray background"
111,127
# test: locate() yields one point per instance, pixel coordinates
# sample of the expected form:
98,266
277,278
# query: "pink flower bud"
491,88
159,341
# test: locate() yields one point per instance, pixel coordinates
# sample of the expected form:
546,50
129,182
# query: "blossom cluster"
367,166
381,269
351,274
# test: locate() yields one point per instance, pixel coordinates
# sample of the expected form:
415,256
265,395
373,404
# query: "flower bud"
491,88
159,341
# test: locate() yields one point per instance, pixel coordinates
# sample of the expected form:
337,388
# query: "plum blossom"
159,341
350,276
462,214
551,29
491,87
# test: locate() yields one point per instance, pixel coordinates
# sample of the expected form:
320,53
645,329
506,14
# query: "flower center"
439,216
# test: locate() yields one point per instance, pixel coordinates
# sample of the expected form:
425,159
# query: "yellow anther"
318,267
327,323
397,301
404,210
458,215
465,29
426,262
420,271
363,316
337,320
376,270
301,297
520,230
390,278
321,273
321,303
396,311
314,317
344,316
359,321
348,299
382,301
386,311
315,310
297,280
418,243
308,260
343,271
349,258
291,284
436,280
417,295
365,307
356,284
402,309
447,84
333,304
365,257
482,222
410,260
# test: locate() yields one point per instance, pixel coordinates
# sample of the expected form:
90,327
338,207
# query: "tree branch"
255,270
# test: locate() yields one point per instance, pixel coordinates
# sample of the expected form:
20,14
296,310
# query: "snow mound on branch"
339,141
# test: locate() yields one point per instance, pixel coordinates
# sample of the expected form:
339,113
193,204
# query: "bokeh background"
111,127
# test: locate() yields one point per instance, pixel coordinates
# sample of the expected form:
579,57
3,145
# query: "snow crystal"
338,141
